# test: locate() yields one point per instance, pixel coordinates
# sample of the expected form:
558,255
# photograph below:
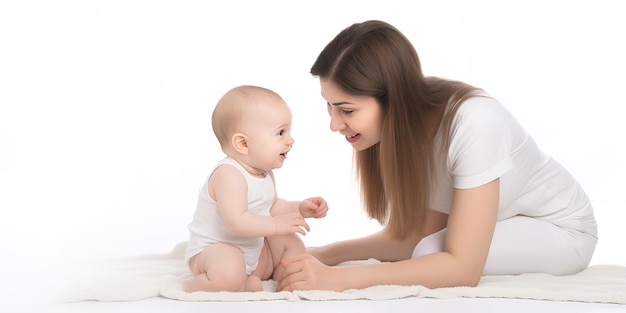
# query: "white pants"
528,245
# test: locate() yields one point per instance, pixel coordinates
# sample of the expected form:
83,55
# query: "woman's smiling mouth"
353,138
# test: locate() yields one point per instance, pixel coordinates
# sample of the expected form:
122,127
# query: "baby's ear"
240,143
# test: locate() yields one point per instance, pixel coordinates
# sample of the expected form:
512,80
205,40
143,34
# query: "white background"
105,106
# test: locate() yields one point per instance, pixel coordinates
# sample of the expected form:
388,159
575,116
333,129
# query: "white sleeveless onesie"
208,225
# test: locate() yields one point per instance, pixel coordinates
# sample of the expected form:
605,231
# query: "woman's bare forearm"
433,271
377,246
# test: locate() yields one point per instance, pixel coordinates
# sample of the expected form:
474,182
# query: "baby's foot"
253,283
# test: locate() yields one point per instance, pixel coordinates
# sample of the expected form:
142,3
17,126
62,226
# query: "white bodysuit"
208,226
545,220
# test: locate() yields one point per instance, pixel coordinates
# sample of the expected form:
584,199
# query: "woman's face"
358,118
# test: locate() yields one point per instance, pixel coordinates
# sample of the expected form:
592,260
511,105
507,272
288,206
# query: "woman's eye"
347,112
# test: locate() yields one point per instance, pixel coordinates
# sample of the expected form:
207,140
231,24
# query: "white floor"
395,306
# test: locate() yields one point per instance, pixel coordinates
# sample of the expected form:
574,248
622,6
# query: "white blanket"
137,278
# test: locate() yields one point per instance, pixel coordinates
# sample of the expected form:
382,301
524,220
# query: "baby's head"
250,118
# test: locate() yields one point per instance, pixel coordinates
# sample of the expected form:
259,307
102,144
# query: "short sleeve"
481,143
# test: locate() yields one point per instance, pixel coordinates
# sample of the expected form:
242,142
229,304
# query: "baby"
241,230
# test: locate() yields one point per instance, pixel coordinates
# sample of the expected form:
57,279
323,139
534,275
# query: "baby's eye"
281,132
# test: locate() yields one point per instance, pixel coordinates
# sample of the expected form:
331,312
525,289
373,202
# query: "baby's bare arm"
311,207
229,189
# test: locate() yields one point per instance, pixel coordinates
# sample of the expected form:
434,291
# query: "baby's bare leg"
253,283
281,248
263,271
219,267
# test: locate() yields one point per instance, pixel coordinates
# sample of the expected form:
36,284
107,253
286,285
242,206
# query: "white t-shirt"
487,142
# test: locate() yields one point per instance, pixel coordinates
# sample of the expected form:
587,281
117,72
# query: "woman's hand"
318,253
304,272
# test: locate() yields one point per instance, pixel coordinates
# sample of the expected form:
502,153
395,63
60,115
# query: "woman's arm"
470,227
378,246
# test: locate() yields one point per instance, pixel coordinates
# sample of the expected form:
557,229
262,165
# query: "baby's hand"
313,207
290,223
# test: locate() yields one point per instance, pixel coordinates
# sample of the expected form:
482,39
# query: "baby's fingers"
301,228
305,225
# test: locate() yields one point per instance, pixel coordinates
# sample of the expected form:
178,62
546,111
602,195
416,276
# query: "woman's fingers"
290,272
295,259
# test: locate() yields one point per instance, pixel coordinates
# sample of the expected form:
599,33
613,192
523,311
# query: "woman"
461,189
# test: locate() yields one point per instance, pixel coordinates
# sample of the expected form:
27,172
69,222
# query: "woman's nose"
336,123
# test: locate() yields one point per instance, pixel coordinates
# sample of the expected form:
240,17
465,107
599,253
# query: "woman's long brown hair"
374,59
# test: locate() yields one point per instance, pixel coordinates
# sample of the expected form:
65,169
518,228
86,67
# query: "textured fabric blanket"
137,278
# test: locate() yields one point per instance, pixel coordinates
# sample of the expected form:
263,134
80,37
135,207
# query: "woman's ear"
240,143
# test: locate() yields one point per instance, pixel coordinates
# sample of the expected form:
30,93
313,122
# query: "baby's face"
269,132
